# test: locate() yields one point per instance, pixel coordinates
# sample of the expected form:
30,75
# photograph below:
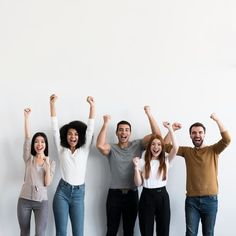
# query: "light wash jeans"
69,201
204,208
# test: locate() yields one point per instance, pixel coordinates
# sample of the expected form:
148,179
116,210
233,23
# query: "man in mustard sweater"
202,169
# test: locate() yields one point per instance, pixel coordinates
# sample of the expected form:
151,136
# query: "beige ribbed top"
33,187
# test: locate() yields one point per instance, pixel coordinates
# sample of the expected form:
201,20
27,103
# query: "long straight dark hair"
33,152
161,158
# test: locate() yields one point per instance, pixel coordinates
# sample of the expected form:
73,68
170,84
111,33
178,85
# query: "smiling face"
123,133
197,135
156,148
72,138
39,145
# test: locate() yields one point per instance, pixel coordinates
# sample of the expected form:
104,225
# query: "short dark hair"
123,122
79,126
33,152
197,124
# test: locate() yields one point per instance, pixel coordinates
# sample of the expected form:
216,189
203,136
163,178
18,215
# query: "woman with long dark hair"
39,172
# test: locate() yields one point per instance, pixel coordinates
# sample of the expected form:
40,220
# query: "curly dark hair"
32,150
80,127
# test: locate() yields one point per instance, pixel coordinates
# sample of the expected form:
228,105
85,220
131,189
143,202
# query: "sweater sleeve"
181,151
89,133
223,143
56,133
26,150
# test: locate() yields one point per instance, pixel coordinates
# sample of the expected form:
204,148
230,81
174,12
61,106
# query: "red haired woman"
152,174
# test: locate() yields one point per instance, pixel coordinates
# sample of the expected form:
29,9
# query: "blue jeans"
204,208
69,201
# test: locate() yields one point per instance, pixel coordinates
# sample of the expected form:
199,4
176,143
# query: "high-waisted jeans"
69,201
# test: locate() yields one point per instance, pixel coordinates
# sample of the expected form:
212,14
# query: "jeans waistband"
63,182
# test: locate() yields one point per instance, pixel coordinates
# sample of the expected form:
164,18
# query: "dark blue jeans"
204,208
123,204
69,201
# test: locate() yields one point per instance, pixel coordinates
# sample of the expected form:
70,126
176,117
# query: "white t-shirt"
155,179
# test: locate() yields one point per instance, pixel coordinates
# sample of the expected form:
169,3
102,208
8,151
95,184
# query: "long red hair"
161,158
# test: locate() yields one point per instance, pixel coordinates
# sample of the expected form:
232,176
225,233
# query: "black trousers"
154,204
125,204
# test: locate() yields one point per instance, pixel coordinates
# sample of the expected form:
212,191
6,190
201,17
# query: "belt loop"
124,191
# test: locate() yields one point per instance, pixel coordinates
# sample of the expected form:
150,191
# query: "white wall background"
177,56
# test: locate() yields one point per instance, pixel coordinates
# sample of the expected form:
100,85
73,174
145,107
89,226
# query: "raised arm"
152,121
26,147
138,180
101,144
54,121
53,99
27,112
175,126
218,122
91,102
175,146
153,124
225,140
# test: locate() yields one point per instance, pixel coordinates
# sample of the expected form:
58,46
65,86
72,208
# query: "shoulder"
136,142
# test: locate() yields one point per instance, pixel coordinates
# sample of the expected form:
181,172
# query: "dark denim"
204,208
69,201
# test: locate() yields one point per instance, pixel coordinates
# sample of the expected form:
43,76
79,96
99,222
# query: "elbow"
99,147
229,140
102,149
226,138
98,144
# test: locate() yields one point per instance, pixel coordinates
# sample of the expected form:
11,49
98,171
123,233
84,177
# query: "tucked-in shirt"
155,179
121,164
73,165
202,166
33,187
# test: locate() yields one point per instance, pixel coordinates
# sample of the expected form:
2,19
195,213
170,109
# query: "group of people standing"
128,171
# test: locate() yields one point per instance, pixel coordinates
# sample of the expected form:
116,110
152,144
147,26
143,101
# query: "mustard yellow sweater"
202,166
